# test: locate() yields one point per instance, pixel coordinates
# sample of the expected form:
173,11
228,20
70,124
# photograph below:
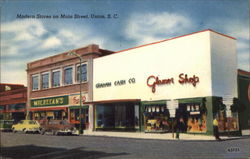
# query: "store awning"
48,108
117,101
78,107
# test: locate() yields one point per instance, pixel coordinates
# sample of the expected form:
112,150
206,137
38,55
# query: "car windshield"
32,122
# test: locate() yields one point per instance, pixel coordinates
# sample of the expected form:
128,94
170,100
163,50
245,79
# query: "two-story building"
54,85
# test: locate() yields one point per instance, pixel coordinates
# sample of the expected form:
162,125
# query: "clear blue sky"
138,22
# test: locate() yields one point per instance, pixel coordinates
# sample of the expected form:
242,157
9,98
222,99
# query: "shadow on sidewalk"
39,152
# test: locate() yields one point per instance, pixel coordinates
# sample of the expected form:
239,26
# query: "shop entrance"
75,116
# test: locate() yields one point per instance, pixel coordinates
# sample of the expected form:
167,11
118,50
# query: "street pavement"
36,146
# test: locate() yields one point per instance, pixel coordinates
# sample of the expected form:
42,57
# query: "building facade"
243,104
54,86
154,86
13,98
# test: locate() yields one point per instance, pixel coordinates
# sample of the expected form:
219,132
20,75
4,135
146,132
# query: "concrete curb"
167,136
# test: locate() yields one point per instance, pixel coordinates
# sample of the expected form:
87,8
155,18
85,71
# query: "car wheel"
42,132
13,130
25,131
54,132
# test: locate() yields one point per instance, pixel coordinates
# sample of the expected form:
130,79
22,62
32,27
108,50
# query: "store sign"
153,81
115,83
75,99
172,104
54,101
228,101
172,113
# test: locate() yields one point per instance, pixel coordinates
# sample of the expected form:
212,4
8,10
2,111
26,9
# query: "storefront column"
209,105
91,117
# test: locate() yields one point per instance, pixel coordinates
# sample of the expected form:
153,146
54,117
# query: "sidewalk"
164,136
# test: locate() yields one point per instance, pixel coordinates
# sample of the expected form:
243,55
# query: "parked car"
5,125
27,126
57,127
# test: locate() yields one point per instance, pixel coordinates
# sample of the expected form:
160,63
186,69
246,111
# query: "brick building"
53,85
13,98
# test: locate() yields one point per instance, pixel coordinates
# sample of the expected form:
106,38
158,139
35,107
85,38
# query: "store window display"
194,116
156,118
228,116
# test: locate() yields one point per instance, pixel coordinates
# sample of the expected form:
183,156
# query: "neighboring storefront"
179,79
13,98
242,105
54,86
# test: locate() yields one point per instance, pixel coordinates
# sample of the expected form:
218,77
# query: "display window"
229,123
55,115
156,118
117,116
194,117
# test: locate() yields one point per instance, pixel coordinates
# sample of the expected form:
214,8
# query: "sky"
131,23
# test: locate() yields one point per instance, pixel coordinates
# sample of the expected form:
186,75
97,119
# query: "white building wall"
188,54
224,66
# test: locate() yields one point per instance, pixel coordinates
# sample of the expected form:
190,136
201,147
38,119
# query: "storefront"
61,108
55,108
243,102
188,69
120,116
13,102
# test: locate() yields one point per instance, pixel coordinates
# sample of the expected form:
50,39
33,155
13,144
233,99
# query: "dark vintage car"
6,125
57,127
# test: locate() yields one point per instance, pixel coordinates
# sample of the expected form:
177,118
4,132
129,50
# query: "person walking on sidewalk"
216,128
179,127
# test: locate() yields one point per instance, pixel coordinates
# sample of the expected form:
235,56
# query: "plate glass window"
84,73
56,79
45,80
35,82
68,76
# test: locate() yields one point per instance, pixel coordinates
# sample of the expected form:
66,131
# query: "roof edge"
175,38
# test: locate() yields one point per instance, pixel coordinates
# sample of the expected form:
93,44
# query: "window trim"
60,78
49,86
38,82
83,63
73,79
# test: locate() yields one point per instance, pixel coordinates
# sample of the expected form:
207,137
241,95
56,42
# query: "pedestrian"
216,128
179,127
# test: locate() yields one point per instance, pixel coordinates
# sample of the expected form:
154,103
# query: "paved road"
36,146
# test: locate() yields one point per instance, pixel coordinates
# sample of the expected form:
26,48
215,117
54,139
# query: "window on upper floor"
35,82
68,75
45,80
84,73
56,78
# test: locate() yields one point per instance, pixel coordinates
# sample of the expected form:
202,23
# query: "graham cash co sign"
153,81
53,101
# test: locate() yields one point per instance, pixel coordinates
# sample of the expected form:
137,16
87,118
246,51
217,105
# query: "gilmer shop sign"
53,101
153,81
